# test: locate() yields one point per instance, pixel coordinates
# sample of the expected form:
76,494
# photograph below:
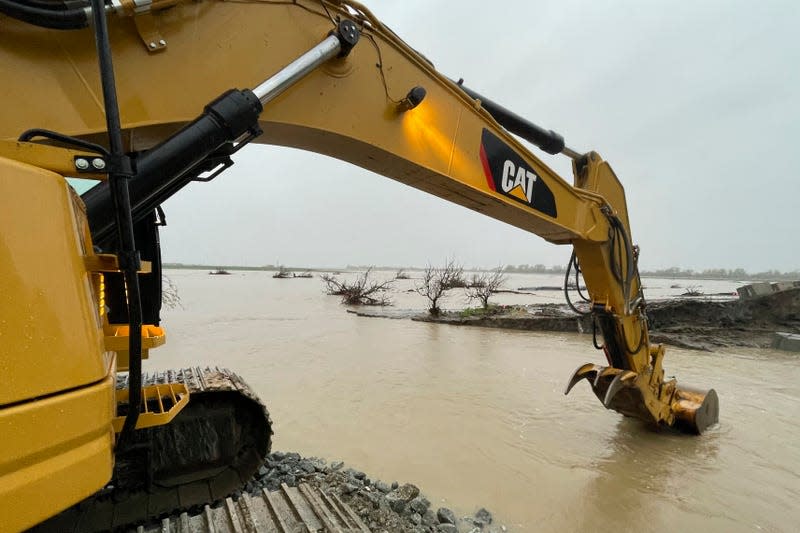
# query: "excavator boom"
325,76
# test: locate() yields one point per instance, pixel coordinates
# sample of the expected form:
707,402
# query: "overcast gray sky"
695,105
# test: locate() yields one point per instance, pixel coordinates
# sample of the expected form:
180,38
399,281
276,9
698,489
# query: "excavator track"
211,448
302,509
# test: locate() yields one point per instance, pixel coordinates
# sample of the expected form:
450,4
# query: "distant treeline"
190,266
535,269
722,273
672,272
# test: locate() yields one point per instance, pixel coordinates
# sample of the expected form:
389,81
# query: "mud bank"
693,323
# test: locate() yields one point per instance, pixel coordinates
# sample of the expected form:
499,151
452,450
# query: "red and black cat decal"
507,173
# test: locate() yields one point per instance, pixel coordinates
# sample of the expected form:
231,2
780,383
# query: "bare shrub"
436,281
482,286
169,293
693,290
459,281
361,291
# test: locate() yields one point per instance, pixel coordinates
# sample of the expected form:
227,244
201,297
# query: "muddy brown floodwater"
477,417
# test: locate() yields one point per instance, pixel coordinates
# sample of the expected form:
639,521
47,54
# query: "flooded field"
477,417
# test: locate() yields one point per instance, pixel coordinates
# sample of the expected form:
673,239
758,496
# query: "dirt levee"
687,322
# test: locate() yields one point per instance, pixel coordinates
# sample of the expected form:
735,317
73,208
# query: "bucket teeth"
606,371
586,371
619,381
607,382
593,373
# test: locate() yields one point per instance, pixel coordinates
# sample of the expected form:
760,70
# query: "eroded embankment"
694,323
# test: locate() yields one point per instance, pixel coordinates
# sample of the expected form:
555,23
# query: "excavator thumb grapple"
685,409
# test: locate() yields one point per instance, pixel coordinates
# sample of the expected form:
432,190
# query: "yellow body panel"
54,452
58,159
56,378
50,329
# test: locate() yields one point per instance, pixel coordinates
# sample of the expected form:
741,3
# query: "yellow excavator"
188,84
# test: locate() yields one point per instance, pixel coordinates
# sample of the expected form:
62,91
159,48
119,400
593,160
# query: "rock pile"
384,507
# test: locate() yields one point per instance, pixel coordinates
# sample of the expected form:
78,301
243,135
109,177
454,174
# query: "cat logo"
508,173
517,181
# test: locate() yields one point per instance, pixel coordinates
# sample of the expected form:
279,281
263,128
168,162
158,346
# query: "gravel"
384,507
446,516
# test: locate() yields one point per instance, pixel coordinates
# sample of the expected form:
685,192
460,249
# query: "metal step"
301,509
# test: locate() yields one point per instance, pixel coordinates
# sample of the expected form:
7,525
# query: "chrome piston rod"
212,137
339,43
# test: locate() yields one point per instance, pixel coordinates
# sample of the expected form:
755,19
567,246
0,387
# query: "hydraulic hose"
573,263
127,254
53,18
52,5
622,243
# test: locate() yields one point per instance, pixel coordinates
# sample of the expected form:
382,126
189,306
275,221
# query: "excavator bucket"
686,409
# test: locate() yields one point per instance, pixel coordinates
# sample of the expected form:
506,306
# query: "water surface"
477,417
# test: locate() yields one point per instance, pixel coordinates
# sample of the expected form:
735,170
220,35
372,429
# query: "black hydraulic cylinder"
38,14
167,167
548,140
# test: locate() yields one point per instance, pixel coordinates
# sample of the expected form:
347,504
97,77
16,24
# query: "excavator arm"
196,81
380,105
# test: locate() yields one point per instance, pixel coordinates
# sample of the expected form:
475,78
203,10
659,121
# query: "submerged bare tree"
361,291
459,281
482,286
436,281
